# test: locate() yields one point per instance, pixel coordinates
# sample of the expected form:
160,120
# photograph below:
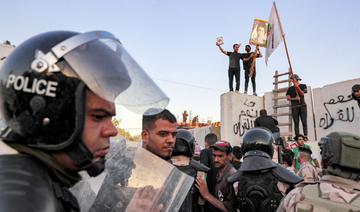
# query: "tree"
123,132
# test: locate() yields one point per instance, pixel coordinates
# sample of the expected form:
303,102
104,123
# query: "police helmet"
43,84
339,149
184,144
258,139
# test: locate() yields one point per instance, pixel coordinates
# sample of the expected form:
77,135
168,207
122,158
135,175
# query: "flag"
275,33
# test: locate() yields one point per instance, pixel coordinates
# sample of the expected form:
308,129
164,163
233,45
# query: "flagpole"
287,53
283,35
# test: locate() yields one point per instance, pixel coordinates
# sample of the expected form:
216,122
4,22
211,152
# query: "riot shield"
134,180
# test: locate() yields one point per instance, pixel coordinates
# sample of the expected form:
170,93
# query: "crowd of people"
58,94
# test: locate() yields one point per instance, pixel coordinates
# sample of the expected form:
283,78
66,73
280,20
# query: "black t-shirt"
234,59
236,164
247,64
292,93
224,191
206,158
267,122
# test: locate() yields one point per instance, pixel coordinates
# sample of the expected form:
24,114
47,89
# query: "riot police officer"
58,93
262,183
339,188
182,159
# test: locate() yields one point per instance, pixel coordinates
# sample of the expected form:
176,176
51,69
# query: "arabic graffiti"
343,112
246,119
249,104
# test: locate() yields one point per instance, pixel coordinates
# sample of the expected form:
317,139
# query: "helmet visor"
110,72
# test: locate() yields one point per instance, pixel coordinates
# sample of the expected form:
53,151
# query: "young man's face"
236,48
221,159
161,139
357,93
247,48
300,141
98,127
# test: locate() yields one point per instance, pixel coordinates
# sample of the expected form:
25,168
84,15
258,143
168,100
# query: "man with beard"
223,197
356,93
158,134
247,61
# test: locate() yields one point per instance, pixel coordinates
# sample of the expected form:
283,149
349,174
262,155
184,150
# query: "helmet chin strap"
82,157
78,151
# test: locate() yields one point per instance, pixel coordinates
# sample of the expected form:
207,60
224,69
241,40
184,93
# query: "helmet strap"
78,151
82,157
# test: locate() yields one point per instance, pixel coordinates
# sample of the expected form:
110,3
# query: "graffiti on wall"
337,110
246,118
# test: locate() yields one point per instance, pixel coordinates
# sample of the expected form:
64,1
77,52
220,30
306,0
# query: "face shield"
103,64
134,180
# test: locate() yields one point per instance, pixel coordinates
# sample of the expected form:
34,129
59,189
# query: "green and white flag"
275,33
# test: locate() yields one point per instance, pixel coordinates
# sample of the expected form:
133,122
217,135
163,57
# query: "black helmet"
184,144
43,84
258,139
339,149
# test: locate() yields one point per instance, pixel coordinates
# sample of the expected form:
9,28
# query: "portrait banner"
219,40
259,32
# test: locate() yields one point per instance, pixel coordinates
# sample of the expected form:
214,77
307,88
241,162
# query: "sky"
174,41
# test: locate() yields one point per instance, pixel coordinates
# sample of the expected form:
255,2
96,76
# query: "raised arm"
221,49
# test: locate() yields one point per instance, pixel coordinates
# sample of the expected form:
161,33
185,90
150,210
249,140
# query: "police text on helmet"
38,86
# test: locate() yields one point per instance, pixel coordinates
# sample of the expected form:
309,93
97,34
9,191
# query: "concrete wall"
200,133
330,108
5,50
335,110
238,113
269,103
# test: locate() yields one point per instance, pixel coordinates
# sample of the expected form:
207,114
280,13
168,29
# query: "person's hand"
202,186
257,47
217,44
296,83
143,200
297,98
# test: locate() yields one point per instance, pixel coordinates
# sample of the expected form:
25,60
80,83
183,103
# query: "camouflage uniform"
308,172
332,188
339,188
